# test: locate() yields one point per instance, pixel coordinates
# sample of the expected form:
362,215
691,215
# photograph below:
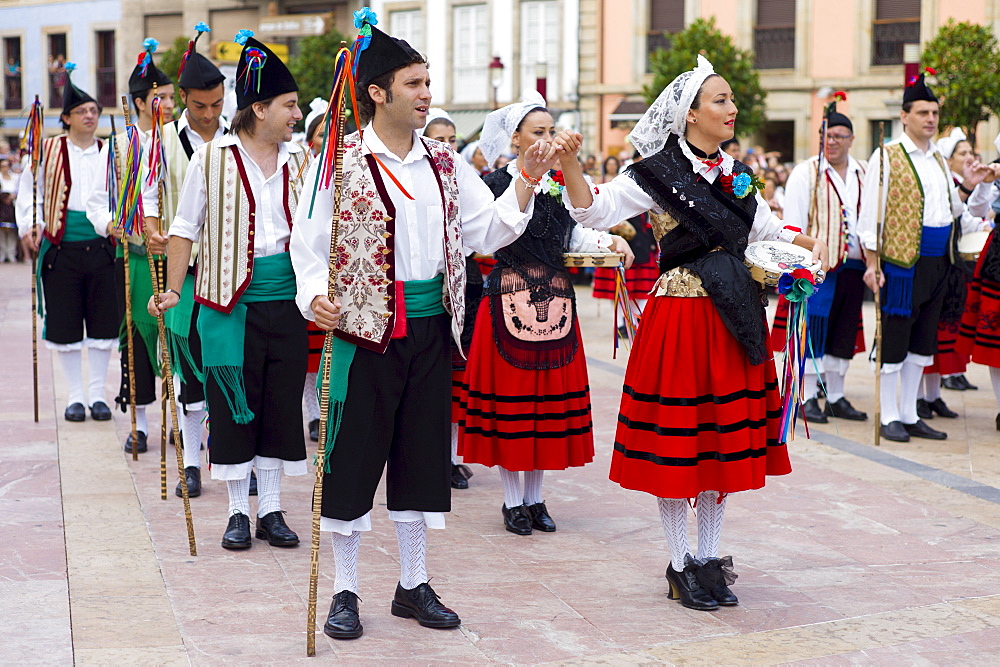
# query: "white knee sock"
995,379
412,538
345,558
98,361
511,481
673,514
141,423
72,367
309,397
889,402
909,385
932,387
533,487
809,388
191,431
834,385
239,496
268,491
709,512
454,444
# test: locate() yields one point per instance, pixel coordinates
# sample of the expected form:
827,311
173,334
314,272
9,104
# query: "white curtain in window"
408,25
470,54
540,43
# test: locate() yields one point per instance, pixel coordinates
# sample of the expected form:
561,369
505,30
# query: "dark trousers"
145,375
274,369
917,333
78,282
192,391
842,331
398,413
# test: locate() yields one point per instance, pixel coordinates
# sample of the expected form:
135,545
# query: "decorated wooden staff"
32,143
157,172
127,217
157,162
332,156
878,292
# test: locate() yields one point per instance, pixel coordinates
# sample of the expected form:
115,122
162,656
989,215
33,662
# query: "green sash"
141,289
222,335
178,323
78,228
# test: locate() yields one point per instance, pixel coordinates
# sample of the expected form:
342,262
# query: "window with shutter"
897,23
774,34
105,41
408,25
225,23
57,69
12,73
540,44
164,28
470,54
665,18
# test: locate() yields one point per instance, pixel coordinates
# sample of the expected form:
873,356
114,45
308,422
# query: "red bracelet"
528,180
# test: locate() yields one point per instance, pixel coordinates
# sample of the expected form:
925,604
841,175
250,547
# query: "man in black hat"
835,308
145,82
75,262
400,281
238,198
920,203
202,89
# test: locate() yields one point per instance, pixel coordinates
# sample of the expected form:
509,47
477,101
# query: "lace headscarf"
317,108
947,144
501,124
435,113
668,114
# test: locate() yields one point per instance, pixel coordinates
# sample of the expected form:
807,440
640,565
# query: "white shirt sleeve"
310,243
981,199
97,201
22,205
190,215
614,201
871,206
489,224
583,239
767,226
798,195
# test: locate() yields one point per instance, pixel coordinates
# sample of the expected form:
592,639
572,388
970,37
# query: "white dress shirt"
271,225
488,224
941,201
97,201
799,191
87,171
184,127
622,198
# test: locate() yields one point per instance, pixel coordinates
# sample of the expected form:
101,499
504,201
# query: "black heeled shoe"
684,586
716,576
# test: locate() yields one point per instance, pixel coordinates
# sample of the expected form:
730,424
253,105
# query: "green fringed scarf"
422,299
178,323
222,335
141,288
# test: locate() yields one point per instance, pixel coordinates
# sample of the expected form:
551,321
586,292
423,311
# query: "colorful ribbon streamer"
31,142
128,213
797,287
629,309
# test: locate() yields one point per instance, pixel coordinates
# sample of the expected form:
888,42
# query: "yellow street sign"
230,51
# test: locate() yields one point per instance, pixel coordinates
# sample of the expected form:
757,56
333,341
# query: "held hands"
327,312
167,301
975,172
571,142
538,159
618,244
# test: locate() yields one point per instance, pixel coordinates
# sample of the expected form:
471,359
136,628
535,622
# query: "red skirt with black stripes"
979,333
695,415
639,280
523,419
316,339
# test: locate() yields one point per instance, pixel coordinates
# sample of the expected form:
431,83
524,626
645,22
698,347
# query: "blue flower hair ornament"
149,45
201,26
69,67
242,36
364,19
365,15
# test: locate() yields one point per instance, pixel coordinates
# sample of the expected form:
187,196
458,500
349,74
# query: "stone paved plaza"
860,556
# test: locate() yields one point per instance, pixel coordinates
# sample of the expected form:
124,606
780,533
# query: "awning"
627,113
468,122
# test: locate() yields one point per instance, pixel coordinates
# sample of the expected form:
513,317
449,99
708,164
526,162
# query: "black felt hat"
260,74
146,74
377,52
73,96
196,70
917,89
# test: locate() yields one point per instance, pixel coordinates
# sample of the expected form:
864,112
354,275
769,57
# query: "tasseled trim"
230,379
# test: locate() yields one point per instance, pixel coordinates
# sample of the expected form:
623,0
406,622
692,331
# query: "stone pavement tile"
532,642
546,548
34,617
134,621
515,601
32,550
145,655
945,580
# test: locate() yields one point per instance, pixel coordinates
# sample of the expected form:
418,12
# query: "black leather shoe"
953,383
938,406
515,520
716,576
458,480
423,604
253,483
965,382
100,412
540,519
237,535
342,621
192,474
894,431
813,413
140,444
922,430
684,586
924,409
272,527
75,412
314,436
842,409
998,422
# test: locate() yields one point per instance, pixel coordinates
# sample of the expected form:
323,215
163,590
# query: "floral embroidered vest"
904,208
225,264
58,180
365,260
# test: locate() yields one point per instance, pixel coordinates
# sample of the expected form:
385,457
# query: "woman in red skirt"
641,276
700,409
979,333
526,398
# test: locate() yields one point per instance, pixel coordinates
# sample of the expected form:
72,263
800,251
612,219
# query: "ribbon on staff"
31,142
796,287
157,156
128,212
629,309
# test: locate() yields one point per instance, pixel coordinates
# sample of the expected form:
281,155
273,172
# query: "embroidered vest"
365,259
177,160
904,208
828,222
225,264
57,181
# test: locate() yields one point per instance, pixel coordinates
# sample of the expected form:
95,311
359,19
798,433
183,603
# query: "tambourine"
768,260
971,245
611,259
